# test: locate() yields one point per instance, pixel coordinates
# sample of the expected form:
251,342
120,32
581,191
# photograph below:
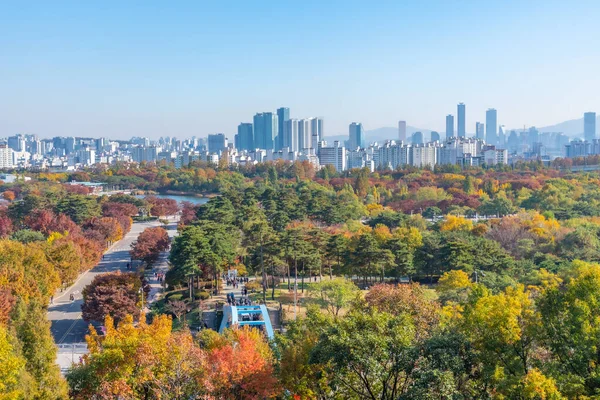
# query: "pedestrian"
51,299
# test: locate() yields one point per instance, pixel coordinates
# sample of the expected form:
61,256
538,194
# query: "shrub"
175,296
253,285
203,295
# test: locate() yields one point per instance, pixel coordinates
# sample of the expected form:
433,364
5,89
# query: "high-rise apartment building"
479,130
304,135
265,130
335,156
402,131
589,126
491,126
316,129
449,126
290,135
244,140
356,135
6,156
461,124
283,114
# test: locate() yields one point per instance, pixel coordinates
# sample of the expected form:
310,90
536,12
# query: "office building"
265,130
335,156
479,131
356,135
402,131
449,126
244,140
283,114
589,126
435,136
491,126
417,138
461,124
217,143
144,154
17,143
86,156
290,135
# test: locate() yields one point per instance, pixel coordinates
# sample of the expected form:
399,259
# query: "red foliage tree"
6,226
188,213
162,207
114,209
150,244
109,228
45,221
116,294
242,369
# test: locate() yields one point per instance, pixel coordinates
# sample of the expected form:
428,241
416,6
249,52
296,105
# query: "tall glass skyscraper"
589,126
244,140
479,130
402,131
491,126
449,126
290,135
283,114
265,130
356,135
461,120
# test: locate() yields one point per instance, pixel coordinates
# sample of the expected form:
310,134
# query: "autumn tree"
113,294
140,361
149,245
162,207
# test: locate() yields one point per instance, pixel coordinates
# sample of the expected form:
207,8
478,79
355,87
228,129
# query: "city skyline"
151,69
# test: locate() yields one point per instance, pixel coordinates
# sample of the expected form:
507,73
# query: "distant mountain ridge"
572,128
380,135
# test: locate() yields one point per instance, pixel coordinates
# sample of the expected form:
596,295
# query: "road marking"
68,331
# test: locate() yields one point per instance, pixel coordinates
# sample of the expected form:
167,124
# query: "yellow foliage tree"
11,367
454,223
453,280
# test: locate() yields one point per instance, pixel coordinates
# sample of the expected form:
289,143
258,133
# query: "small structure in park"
256,316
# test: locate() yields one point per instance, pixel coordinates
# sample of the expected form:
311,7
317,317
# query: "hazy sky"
182,68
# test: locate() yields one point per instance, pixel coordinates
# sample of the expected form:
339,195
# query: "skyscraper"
402,131
449,126
290,135
461,120
216,143
491,126
417,138
435,136
283,114
479,130
244,140
265,130
589,126
304,134
316,128
356,135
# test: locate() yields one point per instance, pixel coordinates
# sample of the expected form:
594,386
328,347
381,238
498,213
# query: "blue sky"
182,68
